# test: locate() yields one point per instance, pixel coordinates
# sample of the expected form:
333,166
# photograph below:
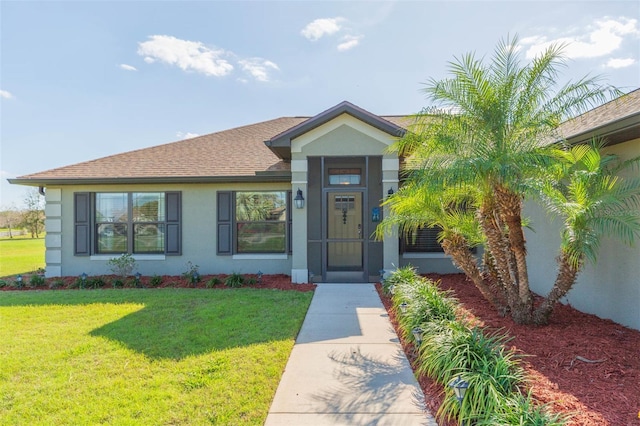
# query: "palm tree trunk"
567,275
464,259
499,248
511,208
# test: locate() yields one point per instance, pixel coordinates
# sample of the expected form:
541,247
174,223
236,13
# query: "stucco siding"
611,287
198,235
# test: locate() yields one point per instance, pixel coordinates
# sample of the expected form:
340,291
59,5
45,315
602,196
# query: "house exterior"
227,203
611,287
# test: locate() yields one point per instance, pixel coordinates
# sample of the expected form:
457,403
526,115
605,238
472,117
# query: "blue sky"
83,80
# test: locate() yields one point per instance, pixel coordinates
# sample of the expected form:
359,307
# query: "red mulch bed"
606,392
277,282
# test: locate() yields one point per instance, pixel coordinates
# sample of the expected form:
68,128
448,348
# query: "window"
344,176
128,222
425,241
261,219
253,222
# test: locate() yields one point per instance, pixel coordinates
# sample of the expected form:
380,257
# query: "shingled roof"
240,154
237,154
616,121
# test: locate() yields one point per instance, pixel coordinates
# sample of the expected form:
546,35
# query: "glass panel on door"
344,231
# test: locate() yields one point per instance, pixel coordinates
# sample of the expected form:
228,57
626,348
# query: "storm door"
345,236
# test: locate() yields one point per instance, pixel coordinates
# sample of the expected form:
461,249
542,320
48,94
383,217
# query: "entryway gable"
344,135
281,144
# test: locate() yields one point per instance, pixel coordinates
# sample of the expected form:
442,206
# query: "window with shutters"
423,240
128,222
253,222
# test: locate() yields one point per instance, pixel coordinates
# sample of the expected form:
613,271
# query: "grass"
161,356
21,254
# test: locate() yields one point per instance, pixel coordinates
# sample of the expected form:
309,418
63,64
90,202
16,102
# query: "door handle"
359,230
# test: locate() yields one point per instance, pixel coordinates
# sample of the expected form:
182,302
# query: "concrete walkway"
347,366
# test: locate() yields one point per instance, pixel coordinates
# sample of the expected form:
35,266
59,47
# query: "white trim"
425,256
256,256
298,182
136,257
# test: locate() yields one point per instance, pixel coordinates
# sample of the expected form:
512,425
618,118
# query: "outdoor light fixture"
83,278
299,200
459,386
260,274
19,281
403,307
390,192
138,276
417,335
381,272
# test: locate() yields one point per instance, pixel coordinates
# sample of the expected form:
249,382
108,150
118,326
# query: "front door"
344,237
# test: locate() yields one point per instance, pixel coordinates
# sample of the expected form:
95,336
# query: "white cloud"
321,27
128,67
258,68
349,42
187,135
185,54
620,62
602,39
6,95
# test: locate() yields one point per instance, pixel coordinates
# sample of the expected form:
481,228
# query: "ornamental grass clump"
450,348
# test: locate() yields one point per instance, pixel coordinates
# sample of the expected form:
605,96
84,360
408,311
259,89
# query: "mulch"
579,364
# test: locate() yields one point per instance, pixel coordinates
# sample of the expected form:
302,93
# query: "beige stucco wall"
608,289
198,235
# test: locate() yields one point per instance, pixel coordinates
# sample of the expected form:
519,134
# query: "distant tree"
10,218
33,216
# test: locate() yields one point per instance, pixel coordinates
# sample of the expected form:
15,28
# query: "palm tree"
491,130
593,202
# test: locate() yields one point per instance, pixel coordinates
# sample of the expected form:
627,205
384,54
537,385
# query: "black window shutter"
173,237
225,223
289,222
424,241
82,223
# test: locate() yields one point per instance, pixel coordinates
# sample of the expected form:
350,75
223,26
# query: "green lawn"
144,356
22,254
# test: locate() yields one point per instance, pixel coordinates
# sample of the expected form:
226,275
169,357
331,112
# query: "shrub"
155,280
123,265
192,274
95,282
36,280
56,284
234,280
252,281
117,282
214,281
3,283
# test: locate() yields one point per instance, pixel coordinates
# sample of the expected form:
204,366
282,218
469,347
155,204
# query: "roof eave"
262,177
625,129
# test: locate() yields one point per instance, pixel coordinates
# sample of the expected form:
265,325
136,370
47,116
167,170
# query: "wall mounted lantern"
390,192
299,200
